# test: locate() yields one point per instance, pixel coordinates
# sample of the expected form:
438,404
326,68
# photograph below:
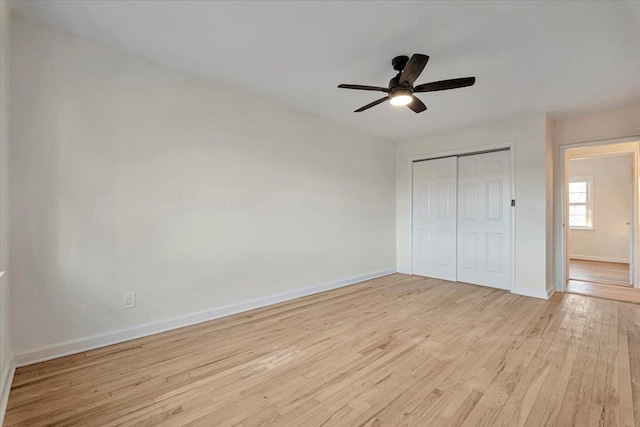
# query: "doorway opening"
600,220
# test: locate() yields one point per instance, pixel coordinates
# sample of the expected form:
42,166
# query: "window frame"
588,204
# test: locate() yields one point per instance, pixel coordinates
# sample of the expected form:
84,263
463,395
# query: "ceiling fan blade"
445,84
417,105
373,104
413,69
362,87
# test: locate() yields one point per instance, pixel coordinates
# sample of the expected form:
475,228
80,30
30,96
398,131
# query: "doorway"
600,219
600,191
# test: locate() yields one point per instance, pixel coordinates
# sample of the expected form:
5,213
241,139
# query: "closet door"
484,219
434,218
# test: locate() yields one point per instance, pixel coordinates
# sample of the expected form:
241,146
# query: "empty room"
319,213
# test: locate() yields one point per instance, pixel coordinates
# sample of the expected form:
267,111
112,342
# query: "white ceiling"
563,57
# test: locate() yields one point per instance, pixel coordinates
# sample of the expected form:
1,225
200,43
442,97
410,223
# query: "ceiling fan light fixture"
401,99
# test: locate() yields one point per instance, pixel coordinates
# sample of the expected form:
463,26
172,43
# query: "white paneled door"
484,219
434,218
462,219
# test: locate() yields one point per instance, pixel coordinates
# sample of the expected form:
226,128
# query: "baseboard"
52,351
7,379
599,258
546,294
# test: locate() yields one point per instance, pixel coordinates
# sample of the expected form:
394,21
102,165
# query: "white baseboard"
546,294
599,258
7,379
52,351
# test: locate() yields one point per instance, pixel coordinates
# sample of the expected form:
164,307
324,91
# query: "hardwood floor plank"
627,417
597,405
575,387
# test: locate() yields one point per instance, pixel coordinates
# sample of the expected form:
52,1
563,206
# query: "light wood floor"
600,290
599,279
611,273
399,350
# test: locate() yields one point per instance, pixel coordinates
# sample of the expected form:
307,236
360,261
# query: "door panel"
470,251
484,226
434,218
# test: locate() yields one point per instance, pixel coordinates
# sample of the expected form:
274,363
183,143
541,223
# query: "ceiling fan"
401,90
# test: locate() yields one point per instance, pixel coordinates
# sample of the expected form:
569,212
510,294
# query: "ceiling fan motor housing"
394,85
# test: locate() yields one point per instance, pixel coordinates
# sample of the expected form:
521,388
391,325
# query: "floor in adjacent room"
601,279
395,350
610,273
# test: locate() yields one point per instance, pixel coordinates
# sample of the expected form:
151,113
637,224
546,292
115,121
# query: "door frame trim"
564,230
469,151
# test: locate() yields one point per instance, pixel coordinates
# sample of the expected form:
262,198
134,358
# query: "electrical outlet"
129,300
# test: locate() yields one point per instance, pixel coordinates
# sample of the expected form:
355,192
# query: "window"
580,203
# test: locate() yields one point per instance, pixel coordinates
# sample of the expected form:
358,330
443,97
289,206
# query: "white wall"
528,135
605,125
612,192
130,176
6,363
598,126
6,358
